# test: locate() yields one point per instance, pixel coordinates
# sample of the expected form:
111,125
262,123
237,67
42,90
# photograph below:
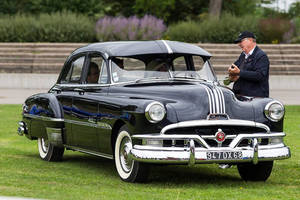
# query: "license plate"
224,155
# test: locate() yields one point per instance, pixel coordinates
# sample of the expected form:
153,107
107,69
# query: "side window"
74,73
97,71
179,64
198,62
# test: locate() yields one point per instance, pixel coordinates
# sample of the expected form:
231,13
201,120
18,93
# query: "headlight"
155,112
274,111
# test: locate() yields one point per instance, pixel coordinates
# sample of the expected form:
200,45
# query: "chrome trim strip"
209,100
89,152
51,119
175,137
81,123
167,46
213,137
213,100
217,100
235,142
231,122
90,124
221,98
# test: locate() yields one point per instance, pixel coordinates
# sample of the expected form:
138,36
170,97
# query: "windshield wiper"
185,77
188,78
149,79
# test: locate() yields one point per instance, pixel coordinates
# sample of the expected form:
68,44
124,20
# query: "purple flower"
132,28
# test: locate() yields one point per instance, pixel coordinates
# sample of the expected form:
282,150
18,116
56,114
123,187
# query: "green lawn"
81,176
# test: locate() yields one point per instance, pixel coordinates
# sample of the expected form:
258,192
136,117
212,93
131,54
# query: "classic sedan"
141,102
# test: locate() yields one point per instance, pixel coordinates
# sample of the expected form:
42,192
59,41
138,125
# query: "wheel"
259,172
128,169
48,151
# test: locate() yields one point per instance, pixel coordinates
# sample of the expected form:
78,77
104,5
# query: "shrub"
273,29
224,30
57,27
185,31
296,38
132,28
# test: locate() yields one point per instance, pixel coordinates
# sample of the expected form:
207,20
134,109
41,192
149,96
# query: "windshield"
124,69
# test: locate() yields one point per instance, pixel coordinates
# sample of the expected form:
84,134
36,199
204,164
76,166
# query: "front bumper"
190,154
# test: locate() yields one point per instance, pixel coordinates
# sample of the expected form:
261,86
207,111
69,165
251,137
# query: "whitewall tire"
48,151
128,169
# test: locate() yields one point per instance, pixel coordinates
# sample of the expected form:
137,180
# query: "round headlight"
155,112
274,111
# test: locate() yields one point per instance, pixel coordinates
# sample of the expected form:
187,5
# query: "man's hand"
233,70
233,78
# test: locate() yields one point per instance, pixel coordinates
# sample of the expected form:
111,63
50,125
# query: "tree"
215,7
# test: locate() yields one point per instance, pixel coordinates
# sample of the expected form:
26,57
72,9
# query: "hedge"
212,30
57,27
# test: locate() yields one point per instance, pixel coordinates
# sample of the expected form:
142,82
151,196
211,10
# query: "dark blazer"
254,74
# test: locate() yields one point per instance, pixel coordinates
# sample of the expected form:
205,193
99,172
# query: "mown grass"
81,176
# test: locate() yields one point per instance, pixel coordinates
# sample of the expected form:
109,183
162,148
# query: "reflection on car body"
137,114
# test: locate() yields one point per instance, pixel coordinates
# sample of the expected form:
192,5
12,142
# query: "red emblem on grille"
220,136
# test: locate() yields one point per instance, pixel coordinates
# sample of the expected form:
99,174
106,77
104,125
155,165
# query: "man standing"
250,73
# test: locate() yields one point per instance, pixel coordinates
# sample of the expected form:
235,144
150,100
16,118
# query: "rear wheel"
259,172
128,169
48,151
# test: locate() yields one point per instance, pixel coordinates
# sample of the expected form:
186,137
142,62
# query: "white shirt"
250,53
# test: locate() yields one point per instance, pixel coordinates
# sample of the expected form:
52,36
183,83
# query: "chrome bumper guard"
190,154
22,128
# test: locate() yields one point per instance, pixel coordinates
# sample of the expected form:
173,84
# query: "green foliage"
170,11
81,176
294,10
296,38
240,7
87,7
158,8
185,31
57,27
273,29
224,30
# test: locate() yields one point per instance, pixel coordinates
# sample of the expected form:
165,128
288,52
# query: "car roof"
134,48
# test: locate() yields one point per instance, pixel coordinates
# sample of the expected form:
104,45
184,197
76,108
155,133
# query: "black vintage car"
144,102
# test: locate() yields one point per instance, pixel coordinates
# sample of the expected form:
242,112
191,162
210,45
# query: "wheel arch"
117,125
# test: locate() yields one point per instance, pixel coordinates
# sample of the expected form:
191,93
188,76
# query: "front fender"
42,112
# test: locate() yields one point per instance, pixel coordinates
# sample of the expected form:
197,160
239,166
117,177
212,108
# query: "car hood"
190,100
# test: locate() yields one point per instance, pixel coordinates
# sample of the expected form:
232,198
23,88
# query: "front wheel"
48,151
128,169
259,172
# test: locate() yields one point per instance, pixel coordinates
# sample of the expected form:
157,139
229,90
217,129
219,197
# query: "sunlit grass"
81,176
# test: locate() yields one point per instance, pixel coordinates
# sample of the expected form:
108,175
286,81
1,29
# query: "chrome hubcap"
125,148
44,145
